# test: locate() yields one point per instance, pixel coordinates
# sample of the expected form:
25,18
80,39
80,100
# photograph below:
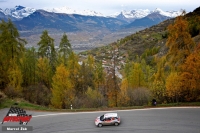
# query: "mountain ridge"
151,19
20,12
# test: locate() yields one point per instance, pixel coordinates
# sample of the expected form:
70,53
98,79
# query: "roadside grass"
7,103
180,104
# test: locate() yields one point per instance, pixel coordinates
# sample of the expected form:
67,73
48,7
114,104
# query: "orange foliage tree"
190,76
179,42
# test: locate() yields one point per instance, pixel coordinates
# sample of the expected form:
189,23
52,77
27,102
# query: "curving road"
155,120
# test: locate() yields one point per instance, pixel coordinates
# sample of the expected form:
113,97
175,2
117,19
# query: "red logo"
16,114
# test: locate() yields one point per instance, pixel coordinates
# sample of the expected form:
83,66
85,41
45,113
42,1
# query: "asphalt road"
156,120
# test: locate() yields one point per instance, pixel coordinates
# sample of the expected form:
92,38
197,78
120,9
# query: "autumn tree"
173,88
28,67
74,72
11,48
87,74
15,78
90,78
10,41
127,68
99,73
136,78
148,72
114,90
4,65
99,79
62,88
43,72
124,98
83,77
110,91
194,24
181,57
179,42
158,80
190,76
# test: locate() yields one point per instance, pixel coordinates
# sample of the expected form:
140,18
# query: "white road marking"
111,111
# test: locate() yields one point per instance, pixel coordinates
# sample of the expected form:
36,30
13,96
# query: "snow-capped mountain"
134,14
18,12
68,10
170,14
141,13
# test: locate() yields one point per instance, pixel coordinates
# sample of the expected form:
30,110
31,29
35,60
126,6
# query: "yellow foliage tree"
173,89
158,81
123,94
15,77
136,77
158,90
11,50
62,88
74,71
44,72
90,61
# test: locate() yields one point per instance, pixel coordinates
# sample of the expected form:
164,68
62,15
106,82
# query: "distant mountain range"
132,15
31,22
149,20
20,12
70,20
41,19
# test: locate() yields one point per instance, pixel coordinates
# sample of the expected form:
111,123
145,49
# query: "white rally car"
107,119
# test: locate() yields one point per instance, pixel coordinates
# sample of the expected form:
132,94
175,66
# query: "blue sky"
105,6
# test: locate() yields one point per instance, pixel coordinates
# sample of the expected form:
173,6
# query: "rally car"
107,119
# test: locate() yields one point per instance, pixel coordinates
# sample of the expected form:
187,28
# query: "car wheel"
116,123
100,125
24,123
20,122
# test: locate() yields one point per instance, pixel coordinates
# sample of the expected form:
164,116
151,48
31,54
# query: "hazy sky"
105,7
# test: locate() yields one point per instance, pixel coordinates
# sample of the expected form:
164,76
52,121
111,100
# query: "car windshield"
101,117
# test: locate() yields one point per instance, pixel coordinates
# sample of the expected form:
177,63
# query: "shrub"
139,96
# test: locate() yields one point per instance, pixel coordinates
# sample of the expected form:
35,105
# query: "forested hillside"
161,62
